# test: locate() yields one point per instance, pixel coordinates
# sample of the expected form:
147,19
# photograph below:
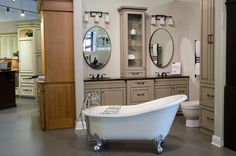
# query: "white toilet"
190,110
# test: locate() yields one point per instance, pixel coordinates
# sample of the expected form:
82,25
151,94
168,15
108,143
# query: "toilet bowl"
190,110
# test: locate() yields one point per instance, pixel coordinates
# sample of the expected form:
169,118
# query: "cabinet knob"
140,94
140,83
208,118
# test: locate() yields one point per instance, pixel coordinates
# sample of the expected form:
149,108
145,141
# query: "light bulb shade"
22,13
86,17
162,21
107,18
96,19
153,20
171,21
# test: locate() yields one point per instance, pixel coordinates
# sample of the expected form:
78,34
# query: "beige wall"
187,29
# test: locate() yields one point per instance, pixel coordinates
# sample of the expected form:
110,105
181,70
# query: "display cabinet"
132,29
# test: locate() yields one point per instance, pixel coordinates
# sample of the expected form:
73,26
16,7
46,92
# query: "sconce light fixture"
163,19
96,15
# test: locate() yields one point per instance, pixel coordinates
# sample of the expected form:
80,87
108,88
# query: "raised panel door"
115,96
26,55
163,91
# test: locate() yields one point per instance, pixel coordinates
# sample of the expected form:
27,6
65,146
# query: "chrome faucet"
92,76
102,76
163,74
158,74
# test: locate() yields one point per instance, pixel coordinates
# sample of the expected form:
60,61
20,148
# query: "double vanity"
129,91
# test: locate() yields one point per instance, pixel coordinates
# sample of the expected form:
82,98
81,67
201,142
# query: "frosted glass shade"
153,20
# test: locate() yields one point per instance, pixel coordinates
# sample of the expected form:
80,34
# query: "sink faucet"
92,76
98,75
158,74
163,74
103,75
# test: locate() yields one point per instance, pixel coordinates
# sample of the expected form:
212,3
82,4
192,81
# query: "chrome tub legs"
99,143
158,142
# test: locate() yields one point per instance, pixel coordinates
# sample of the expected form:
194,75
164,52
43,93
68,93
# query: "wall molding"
217,141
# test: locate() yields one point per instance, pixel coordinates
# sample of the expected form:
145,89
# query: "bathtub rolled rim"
136,109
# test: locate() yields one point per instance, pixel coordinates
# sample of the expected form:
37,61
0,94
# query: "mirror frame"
172,48
110,47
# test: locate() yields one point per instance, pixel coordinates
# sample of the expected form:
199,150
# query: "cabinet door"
114,96
26,55
2,46
163,91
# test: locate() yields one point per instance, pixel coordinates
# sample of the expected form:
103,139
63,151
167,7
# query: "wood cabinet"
207,52
173,86
8,45
57,64
139,91
134,91
207,68
133,51
28,43
7,89
109,92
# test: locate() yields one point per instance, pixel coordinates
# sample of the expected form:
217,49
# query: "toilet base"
192,123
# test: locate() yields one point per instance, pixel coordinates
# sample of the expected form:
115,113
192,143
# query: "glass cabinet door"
135,40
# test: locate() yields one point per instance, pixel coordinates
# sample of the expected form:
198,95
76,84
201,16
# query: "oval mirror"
96,47
161,47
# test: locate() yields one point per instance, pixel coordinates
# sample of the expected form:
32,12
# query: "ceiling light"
22,13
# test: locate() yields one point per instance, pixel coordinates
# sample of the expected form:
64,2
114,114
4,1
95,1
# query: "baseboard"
79,125
217,141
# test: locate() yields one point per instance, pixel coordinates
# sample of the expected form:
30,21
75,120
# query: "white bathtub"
147,121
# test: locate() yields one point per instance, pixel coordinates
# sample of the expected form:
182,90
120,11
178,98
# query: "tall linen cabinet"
132,41
207,68
57,94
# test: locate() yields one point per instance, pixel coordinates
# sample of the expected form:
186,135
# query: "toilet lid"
190,104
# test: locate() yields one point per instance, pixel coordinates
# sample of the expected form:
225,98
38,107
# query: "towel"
197,48
154,49
197,69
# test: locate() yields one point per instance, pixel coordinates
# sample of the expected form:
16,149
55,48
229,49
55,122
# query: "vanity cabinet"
172,86
207,68
139,91
109,92
132,28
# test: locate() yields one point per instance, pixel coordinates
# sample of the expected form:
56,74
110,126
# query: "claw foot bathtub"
147,121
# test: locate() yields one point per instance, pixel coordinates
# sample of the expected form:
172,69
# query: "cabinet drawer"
140,94
181,90
207,96
171,81
207,119
26,79
135,73
141,83
27,90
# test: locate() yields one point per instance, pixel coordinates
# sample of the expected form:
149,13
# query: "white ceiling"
14,15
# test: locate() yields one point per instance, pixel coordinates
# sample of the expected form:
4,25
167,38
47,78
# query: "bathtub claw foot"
158,142
99,143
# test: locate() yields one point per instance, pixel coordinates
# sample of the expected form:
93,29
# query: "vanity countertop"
134,78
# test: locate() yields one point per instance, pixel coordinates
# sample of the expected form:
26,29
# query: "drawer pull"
27,90
140,83
211,96
208,118
135,73
181,91
140,94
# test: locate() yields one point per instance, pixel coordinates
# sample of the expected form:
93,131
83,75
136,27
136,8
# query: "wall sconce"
163,19
96,15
